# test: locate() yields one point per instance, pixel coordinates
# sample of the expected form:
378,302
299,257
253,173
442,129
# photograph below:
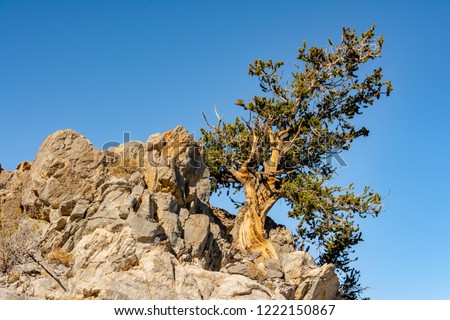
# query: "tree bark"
250,236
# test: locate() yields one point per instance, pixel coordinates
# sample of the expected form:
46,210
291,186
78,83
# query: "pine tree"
278,152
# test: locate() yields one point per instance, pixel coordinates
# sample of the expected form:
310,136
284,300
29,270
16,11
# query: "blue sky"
108,67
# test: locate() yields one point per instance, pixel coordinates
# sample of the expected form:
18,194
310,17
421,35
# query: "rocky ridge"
134,222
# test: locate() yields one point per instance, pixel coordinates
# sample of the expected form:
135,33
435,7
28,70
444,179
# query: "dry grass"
60,256
119,172
123,169
16,239
14,275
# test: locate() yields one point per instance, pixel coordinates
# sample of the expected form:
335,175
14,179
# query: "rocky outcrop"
134,222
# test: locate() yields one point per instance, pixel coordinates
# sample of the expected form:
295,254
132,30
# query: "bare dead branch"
47,269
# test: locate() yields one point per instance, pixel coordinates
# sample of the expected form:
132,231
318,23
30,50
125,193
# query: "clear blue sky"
108,67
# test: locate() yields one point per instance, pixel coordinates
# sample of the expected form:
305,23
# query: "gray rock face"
196,232
134,222
274,268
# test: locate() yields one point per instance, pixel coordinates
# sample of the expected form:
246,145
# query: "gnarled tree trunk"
250,236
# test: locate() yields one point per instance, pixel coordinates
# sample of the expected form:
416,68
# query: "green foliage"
292,128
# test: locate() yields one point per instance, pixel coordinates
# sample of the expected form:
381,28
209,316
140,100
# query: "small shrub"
16,239
60,256
123,169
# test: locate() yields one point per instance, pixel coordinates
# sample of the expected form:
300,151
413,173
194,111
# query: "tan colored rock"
321,284
66,167
177,141
274,268
6,294
134,222
314,283
146,231
239,287
196,232
12,185
59,224
280,237
24,166
297,264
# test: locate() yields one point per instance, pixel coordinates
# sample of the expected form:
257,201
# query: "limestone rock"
134,222
280,237
240,287
320,284
313,282
274,268
12,185
66,168
297,264
196,232
6,294
146,231
24,166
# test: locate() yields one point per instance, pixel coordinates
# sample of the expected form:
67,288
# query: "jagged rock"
251,269
283,287
24,166
134,222
165,202
321,284
274,268
11,189
66,207
313,282
6,294
147,207
145,230
155,142
240,287
66,167
297,264
280,237
196,232
59,224
79,211
31,268
241,268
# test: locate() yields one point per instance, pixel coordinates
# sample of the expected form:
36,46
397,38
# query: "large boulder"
66,169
